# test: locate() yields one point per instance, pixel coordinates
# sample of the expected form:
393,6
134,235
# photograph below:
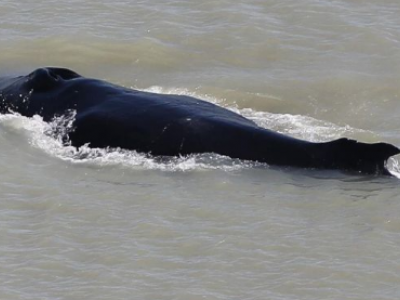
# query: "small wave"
302,127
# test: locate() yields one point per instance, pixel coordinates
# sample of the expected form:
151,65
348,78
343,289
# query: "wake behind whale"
108,115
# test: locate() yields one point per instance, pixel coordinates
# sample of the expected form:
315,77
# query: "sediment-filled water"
117,224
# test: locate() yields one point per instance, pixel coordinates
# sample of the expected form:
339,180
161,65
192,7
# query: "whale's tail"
351,155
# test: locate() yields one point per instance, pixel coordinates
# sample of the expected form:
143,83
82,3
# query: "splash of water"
393,167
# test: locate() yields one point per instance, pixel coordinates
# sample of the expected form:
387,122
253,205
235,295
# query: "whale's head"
45,91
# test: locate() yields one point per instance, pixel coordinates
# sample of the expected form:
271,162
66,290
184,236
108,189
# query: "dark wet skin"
109,115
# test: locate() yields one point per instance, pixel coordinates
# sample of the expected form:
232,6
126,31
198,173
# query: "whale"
109,115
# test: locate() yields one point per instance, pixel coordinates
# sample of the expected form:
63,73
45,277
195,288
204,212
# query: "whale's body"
108,115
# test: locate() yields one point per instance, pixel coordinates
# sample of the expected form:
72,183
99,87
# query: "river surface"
119,225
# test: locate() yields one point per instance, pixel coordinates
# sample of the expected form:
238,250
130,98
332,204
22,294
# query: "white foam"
393,167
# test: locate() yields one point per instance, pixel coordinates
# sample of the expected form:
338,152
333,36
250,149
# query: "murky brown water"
121,226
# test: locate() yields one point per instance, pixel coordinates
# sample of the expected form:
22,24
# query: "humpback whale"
108,115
